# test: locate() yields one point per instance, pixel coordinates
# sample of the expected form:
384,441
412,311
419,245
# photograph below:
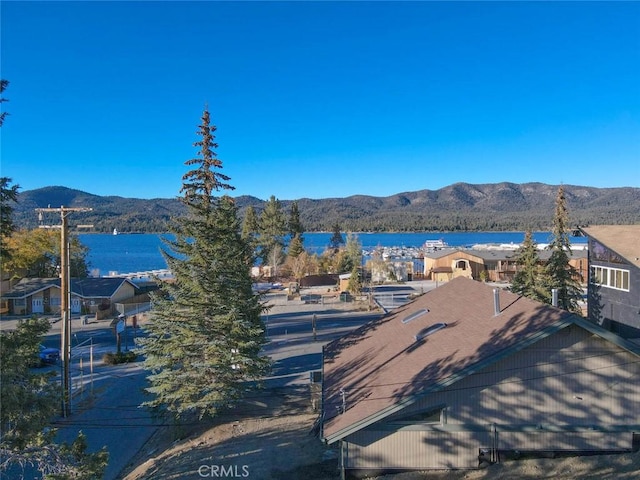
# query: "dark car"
49,355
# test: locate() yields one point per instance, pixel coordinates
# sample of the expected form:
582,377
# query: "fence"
129,309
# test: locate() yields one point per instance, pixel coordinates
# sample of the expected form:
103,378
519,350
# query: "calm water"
138,253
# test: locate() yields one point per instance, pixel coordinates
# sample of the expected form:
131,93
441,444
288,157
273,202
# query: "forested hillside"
458,207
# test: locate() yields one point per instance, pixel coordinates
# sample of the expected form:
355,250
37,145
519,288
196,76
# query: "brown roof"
381,367
442,270
622,239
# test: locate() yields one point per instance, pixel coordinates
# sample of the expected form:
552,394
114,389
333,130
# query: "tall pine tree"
273,228
206,333
560,274
3,85
250,224
296,244
294,223
8,196
336,239
528,279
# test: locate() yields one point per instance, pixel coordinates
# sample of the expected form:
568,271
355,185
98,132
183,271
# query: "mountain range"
458,207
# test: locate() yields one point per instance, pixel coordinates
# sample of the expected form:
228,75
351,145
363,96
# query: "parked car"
48,355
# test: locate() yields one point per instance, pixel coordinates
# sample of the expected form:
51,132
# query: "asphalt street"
106,399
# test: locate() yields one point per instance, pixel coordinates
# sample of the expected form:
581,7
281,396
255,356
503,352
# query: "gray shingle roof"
83,287
97,287
30,286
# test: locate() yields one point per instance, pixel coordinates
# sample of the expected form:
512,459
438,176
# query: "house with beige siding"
450,263
499,265
465,374
88,295
614,262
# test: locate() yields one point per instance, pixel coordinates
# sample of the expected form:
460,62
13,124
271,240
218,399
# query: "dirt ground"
270,439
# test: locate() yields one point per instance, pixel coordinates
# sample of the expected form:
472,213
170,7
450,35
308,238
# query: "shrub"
121,357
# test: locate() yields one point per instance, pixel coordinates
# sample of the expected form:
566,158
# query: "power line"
65,296
252,414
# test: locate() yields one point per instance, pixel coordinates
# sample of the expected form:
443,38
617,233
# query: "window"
611,277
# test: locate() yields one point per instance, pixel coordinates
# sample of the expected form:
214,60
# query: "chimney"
554,297
496,302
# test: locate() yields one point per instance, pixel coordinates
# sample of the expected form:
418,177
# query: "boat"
115,231
431,245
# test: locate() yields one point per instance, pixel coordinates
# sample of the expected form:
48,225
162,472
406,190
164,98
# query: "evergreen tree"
336,239
8,195
353,253
528,279
29,401
206,333
199,184
296,246
273,228
560,274
295,225
250,227
355,284
3,85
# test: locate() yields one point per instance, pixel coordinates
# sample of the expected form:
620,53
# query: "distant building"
499,265
88,295
614,262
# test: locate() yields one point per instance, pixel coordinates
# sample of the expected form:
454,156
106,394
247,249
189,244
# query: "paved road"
106,403
106,399
294,350
112,417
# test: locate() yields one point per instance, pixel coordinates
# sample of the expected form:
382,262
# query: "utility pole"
65,298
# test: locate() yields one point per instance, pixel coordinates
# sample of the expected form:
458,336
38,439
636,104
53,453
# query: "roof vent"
554,297
425,332
415,315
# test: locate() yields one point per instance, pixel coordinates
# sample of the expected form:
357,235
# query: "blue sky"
321,99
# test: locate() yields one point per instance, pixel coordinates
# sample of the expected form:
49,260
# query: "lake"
127,253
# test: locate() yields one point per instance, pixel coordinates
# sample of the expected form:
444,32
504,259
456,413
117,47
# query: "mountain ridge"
456,207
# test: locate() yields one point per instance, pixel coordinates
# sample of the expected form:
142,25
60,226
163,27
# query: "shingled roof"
426,345
103,287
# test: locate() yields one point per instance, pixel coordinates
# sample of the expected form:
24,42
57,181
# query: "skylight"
425,332
415,315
